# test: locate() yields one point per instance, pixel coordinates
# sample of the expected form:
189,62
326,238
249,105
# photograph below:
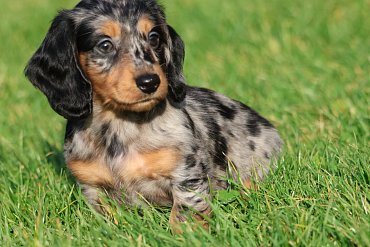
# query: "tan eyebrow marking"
111,29
144,25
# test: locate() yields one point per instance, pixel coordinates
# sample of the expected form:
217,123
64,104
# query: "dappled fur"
167,147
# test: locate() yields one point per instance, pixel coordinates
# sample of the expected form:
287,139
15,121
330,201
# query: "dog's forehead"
114,18
126,12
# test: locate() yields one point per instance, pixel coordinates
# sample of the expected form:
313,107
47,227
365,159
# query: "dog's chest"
123,156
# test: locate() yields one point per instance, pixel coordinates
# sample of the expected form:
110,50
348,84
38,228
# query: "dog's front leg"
190,201
93,196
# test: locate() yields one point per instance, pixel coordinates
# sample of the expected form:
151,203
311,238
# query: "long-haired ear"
54,70
175,75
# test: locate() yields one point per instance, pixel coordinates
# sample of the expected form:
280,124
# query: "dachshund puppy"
135,131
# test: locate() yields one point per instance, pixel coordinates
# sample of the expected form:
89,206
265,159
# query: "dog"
135,131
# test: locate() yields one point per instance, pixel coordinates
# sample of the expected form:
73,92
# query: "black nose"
148,83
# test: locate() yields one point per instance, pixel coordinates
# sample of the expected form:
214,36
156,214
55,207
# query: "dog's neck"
105,112
134,131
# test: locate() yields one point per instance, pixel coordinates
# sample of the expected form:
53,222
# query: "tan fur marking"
176,219
117,87
111,29
250,184
201,221
145,25
83,61
150,165
91,173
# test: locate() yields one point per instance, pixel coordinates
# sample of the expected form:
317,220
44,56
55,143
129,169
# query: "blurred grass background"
305,65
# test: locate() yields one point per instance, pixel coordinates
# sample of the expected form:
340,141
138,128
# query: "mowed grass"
305,65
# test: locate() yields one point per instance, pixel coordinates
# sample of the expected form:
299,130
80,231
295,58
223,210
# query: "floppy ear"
55,71
175,75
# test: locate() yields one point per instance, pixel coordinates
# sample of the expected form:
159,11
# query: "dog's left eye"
154,39
105,46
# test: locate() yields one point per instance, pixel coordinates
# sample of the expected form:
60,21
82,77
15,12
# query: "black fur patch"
225,111
255,121
148,57
104,129
253,126
267,156
252,145
192,184
205,167
190,123
209,98
137,53
103,133
73,126
220,142
190,161
177,87
84,39
221,150
115,147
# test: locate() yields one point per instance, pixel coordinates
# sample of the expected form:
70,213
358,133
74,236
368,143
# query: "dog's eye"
154,39
105,46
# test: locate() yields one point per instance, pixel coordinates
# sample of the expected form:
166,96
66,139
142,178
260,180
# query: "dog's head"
120,53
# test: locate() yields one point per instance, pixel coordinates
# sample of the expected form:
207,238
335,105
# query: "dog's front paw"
181,219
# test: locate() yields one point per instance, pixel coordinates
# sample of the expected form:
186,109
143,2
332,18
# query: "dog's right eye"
154,39
105,46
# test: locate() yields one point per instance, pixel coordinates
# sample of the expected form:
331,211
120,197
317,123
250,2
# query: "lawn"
304,65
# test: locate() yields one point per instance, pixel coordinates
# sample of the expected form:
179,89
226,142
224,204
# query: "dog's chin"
142,106
138,106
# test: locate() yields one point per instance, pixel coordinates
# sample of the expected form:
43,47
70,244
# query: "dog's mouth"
136,106
143,101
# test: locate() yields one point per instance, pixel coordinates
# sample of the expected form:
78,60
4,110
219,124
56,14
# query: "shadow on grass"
55,157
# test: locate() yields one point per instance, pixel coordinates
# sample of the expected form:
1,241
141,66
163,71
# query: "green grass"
305,65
